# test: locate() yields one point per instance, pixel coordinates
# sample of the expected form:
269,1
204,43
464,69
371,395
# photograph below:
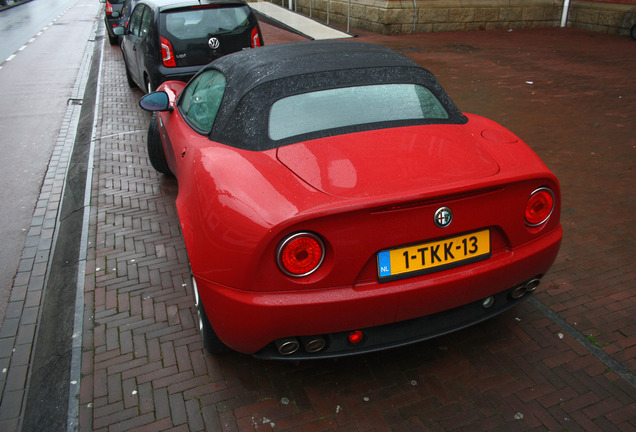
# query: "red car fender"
226,227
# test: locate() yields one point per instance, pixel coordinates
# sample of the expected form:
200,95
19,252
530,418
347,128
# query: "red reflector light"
300,254
355,337
539,207
256,39
167,53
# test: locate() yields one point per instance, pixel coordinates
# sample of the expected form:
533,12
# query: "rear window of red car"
351,106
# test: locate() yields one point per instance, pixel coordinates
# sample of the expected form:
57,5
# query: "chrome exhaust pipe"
287,346
518,292
532,284
313,344
488,302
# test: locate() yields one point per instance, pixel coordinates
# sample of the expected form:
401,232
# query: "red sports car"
334,201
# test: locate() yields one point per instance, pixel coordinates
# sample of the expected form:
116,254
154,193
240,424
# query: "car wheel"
131,82
155,148
632,32
211,341
113,40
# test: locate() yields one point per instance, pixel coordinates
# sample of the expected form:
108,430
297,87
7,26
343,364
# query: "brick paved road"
569,94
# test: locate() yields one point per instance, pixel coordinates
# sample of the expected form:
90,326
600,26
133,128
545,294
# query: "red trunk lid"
381,162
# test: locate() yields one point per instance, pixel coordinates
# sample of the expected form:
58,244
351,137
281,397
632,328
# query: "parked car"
112,11
126,11
168,40
334,201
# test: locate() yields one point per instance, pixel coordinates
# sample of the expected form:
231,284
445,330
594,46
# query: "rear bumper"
391,314
401,333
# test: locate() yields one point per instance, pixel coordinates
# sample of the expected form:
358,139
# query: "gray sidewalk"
6,4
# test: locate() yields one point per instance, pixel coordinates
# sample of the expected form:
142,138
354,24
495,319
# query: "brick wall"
424,16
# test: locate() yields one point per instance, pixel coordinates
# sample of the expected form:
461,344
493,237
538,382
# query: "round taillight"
300,254
539,206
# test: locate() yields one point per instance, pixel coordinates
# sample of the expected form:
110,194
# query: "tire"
211,341
155,148
632,32
131,82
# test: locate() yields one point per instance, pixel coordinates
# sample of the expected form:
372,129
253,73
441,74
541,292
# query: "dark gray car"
167,40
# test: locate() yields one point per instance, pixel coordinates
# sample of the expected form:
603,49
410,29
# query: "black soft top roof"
257,78
250,68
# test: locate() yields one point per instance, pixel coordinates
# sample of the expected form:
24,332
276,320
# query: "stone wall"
423,16
602,17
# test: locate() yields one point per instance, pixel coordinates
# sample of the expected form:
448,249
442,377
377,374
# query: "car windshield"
351,106
204,22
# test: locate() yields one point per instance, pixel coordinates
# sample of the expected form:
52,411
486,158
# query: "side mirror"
155,101
102,1
115,14
119,31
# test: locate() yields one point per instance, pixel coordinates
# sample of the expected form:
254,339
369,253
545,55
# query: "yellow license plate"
433,256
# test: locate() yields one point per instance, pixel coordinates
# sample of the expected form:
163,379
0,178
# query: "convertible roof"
249,68
256,78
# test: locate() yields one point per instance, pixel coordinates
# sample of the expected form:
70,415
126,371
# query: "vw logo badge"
214,43
443,217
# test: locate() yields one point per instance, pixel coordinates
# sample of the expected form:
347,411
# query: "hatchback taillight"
256,38
539,207
300,254
167,53
109,8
